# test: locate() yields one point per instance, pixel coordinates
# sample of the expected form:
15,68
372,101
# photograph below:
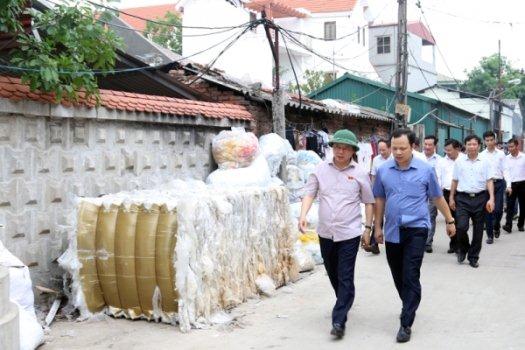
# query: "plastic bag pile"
230,245
21,293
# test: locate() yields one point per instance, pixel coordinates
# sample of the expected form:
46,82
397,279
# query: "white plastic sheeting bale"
307,161
234,148
257,174
226,240
21,293
274,148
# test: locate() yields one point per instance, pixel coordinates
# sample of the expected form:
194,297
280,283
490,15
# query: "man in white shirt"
416,152
431,157
472,179
515,178
444,170
383,146
496,159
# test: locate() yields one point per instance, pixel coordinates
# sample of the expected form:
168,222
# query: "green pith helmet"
345,136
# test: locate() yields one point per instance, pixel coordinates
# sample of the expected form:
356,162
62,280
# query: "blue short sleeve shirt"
406,193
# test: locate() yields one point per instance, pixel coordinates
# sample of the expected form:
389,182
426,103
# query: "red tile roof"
276,9
148,12
318,6
419,29
13,89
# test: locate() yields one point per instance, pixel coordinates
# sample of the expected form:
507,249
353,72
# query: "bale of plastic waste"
234,148
179,254
21,294
275,149
256,174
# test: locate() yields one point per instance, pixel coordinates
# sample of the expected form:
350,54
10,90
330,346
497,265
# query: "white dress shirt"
419,155
472,175
496,159
514,168
434,161
377,162
446,169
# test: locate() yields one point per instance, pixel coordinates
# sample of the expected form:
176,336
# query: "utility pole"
499,91
402,111
278,92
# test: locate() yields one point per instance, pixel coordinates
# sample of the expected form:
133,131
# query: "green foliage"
483,79
72,43
169,35
9,12
314,81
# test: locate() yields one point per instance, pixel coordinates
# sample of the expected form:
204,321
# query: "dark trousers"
493,220
339,261
432,211
470,208
518,192
405,259
453,240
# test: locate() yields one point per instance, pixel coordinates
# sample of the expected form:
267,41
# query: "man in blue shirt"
402,188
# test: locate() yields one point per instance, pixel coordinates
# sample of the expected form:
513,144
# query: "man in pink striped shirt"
341,184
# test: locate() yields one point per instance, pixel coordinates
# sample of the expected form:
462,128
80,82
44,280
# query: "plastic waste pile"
234,148
181,254
21,294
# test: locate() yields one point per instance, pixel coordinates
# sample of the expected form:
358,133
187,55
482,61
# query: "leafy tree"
314,81
169,34
72,44
483,79
9,13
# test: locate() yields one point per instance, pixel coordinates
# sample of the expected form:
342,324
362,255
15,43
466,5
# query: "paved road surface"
462,308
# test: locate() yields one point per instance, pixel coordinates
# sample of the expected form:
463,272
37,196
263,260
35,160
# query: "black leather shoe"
429,249
375,249
337,331
521,229
474,264
403,335
461,257
496,233
507,228
490,240
450,251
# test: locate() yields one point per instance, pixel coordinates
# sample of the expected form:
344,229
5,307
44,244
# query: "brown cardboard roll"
86,235
125,260
165,248
145,236
105,254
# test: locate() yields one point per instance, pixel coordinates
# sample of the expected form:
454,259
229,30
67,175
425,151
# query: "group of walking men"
402,194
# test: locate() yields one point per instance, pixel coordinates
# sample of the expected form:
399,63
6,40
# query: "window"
364,40
358,34
383,44
329,31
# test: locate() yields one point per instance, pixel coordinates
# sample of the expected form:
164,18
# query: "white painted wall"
250,59
421,64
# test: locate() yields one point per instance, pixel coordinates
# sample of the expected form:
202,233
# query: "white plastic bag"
234,148
274,148
257,174
265,285
307,161
21,293
303,258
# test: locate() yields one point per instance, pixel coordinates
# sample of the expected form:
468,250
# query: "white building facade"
421,59
342,32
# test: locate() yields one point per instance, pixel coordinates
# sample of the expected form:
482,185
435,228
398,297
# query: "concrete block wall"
51,154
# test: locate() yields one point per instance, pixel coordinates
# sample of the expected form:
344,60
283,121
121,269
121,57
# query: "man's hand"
452,203
509,191
490,206
451,230
365,238
302,225
378,235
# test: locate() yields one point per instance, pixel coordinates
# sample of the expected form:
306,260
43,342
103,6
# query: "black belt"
497,180
472,195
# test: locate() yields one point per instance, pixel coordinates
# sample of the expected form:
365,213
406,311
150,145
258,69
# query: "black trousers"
405,259
453,240
518,191
339,262
467,208
492,220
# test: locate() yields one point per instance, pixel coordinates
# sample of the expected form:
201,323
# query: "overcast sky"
463,29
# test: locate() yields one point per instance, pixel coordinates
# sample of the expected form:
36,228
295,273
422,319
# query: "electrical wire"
149,20
293,70
124,70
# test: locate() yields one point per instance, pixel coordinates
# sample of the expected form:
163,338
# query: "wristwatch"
368,227
451,222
